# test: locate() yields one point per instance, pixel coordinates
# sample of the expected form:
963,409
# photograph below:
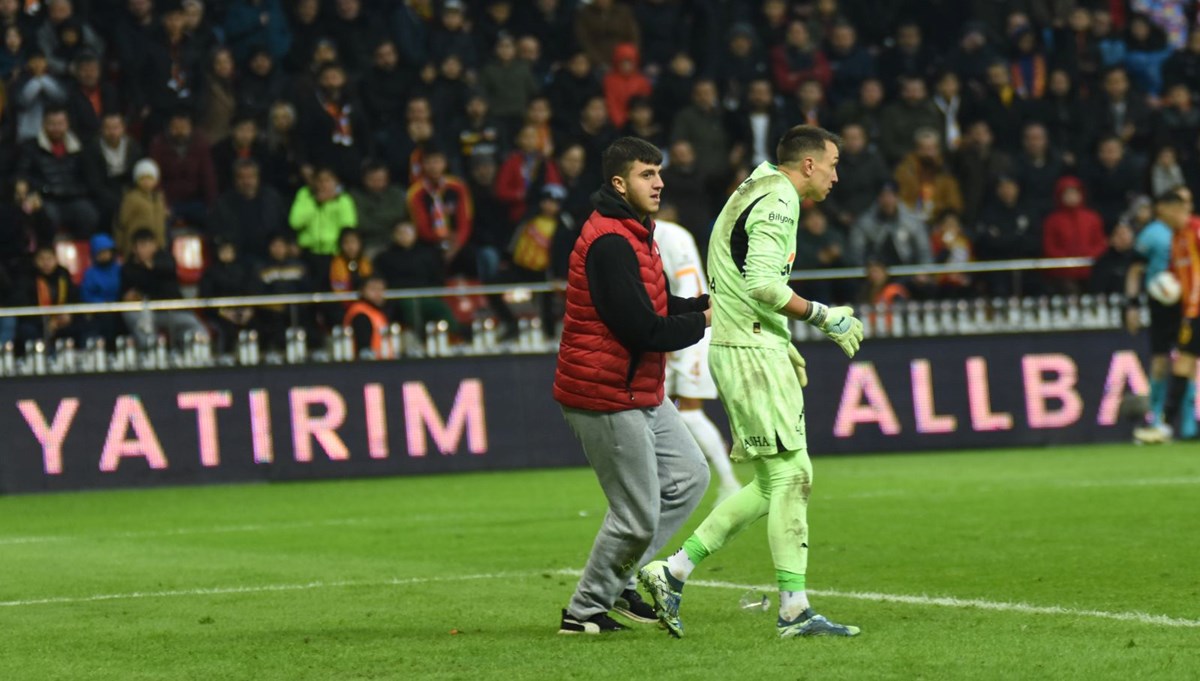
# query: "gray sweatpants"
653,475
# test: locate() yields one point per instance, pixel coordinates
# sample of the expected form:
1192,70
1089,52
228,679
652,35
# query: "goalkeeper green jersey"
750,256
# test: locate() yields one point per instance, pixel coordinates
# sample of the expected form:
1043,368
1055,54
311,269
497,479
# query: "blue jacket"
244,30
101,283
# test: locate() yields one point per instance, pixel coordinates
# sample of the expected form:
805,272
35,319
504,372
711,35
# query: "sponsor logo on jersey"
756,441
781,218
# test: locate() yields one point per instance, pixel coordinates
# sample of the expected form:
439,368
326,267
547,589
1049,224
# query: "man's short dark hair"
803,140
54,109
144,234
373,165
619,157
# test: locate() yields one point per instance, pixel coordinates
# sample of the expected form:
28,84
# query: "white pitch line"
938,601
217,529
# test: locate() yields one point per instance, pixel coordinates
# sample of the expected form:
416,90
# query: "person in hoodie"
1071,230
227,276
1009,227
102,284
624,82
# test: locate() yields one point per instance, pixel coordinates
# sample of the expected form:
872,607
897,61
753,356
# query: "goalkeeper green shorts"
762,396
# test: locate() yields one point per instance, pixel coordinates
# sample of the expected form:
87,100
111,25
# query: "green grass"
362,579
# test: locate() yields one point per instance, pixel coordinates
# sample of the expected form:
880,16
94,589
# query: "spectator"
1108,272
861,175
368,319
411,263
249,213
948,102
1076,51
453,36
108,161
908,58
1000,106
60,21
819,247
52,286
866,111
508,83
742,64
773,22
491,231
594,133
88,98
1008,229
976,165
332,127
849,62
522,175
143,208
350,266
13,52
150,274
1165,172
759,122
888,231
703,124
539,115
1118,111
1072,230
1113,180
550,22
798,59
925,184
50,167
197,26
189,180
602,24
497,20
1062,113
132,36
902,119
284,170
170,70
972,56
529,50
810,107
36,91
281,274
674,86
257,24
479,132
662,25
385,86
572,165
228,276
642,124
321,212
879,288
440,206
951,246
1028,65
218,96
570,89
380,204
1184,65
1037,169
450,91
307,30
1146,52
258,86
1178,123
624,82
532,253
242,143
356,32
102,284
686,187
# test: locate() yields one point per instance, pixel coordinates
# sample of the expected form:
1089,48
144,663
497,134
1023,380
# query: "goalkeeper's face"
822,172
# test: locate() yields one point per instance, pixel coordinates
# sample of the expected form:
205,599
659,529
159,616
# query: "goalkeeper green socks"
682,562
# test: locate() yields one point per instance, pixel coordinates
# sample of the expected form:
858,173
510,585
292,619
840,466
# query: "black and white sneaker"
600,623
630,605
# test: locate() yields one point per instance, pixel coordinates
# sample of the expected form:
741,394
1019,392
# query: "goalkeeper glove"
798,365
838,323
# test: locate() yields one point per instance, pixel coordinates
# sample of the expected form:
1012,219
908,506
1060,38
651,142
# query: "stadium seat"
74,256
190,257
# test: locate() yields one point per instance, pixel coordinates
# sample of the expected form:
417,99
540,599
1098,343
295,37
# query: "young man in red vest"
620,322
367,318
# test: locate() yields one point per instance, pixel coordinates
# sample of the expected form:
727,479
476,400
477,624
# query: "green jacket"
319,224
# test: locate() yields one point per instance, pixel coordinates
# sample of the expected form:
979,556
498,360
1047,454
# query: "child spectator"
142,208
320,212
349,267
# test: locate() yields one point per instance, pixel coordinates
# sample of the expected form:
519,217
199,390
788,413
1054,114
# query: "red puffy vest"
595,371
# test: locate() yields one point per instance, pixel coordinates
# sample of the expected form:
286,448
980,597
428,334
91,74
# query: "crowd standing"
342,145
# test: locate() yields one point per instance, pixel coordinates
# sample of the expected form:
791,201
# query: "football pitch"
1057,563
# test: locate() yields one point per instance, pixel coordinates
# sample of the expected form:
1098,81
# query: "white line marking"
1135,482
940,601
218,529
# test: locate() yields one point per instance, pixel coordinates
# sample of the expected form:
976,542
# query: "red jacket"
789,69
620,88
441,213
518,176
1072,232
620,318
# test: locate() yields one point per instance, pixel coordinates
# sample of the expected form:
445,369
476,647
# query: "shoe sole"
632,616
648,583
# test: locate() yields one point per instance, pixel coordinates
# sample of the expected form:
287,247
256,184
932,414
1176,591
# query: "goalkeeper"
759,376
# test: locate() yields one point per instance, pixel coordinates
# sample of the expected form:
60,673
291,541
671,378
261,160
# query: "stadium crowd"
228,147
